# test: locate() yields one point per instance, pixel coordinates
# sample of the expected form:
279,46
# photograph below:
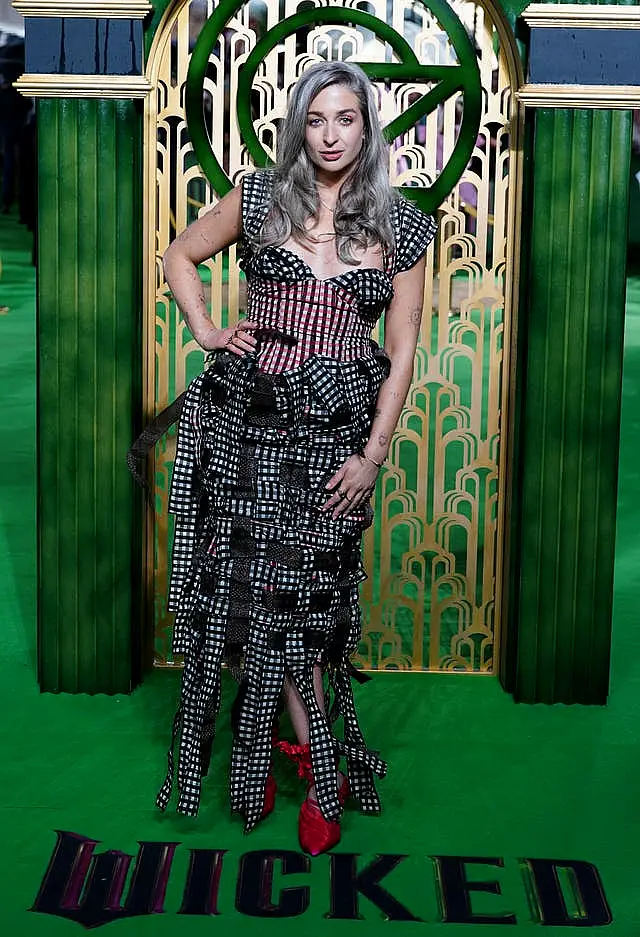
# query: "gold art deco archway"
435,551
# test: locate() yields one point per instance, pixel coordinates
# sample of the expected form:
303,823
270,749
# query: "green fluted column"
558,636
89,315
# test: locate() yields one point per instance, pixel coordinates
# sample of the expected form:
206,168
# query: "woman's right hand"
236,339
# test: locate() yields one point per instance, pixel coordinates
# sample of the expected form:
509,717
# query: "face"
335,131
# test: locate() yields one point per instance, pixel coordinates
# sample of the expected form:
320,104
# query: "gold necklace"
322,202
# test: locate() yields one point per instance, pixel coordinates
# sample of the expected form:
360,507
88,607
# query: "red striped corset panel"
299,315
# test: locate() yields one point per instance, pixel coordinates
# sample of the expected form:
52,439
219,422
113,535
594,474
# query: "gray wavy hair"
362,214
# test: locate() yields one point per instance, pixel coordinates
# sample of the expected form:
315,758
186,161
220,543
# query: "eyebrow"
346,110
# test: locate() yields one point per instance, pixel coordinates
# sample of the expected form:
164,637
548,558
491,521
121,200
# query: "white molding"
590,96
581,16
83,86
102,9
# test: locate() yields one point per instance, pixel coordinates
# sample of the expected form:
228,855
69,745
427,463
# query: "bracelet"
368,458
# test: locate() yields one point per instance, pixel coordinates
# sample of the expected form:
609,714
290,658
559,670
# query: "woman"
279,447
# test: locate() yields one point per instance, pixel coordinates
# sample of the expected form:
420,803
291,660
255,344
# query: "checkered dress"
261,577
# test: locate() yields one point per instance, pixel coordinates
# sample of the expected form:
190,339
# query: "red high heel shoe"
269,796
316,835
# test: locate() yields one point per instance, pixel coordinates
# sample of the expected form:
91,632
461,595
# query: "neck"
332,181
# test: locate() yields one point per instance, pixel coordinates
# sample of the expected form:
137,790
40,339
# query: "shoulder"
257,188
413,231
258,184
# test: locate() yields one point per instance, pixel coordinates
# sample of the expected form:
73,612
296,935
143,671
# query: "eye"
347,120
313,122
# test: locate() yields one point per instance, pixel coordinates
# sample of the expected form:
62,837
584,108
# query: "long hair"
362,215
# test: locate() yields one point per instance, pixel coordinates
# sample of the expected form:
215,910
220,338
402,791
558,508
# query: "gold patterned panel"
434,551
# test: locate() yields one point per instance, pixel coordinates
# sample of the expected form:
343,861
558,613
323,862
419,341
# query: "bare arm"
401,330
357,477
211,233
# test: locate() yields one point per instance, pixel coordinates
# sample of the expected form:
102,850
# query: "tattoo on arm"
415,316
383,439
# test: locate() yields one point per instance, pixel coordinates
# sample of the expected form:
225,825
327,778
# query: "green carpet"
471,773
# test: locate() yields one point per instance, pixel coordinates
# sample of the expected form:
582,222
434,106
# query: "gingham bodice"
300,315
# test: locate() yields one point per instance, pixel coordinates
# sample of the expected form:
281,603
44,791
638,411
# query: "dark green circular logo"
446,80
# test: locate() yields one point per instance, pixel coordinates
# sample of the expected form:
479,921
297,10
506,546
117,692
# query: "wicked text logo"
96,888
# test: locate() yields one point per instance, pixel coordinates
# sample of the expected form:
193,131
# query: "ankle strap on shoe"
300,755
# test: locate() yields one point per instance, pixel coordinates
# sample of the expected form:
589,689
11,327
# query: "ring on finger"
345,495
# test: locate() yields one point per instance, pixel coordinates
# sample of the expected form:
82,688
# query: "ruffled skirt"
262,579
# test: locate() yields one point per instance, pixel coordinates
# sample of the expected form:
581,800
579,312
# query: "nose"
330,134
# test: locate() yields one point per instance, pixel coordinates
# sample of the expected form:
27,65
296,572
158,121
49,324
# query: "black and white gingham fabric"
333,316
261,577
413,232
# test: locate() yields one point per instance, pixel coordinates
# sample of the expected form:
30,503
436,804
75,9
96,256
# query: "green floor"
472,774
